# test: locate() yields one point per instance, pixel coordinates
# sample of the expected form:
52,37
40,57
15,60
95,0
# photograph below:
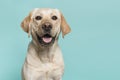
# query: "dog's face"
45,25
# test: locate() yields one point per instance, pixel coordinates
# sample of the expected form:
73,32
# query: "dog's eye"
54,17
38,17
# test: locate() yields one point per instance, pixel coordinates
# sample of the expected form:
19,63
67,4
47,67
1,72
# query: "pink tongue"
47,40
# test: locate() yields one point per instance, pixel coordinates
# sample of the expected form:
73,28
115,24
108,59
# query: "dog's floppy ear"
64,26
26,23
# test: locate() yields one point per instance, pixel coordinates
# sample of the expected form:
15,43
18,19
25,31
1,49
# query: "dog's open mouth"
45,39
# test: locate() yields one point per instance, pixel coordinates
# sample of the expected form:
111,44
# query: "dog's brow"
47,12
34,12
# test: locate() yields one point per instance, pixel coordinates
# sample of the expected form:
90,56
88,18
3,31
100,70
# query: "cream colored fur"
43,63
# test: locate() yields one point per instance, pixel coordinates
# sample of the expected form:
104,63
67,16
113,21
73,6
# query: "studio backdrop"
91,51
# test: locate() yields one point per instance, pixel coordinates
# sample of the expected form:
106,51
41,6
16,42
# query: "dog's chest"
51,70
44,66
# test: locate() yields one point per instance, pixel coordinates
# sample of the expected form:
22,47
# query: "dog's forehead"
46,11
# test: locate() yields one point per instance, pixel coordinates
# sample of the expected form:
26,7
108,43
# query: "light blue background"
91,51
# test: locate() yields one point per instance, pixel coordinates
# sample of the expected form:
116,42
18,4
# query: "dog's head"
45,25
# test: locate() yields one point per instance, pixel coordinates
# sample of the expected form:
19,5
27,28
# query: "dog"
44,59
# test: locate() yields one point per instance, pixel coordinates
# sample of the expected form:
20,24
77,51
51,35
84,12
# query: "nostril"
47,26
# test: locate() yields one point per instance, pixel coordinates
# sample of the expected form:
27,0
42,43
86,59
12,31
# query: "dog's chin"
45,40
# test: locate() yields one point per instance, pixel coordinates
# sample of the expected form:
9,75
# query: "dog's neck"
45,54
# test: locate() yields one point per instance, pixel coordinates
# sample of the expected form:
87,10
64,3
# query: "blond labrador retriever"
44,60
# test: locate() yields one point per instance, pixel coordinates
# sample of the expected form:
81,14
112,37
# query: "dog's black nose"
46,27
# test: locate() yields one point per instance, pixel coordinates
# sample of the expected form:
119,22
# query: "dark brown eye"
54,17
38,17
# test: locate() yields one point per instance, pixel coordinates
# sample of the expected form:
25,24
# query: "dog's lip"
46,38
